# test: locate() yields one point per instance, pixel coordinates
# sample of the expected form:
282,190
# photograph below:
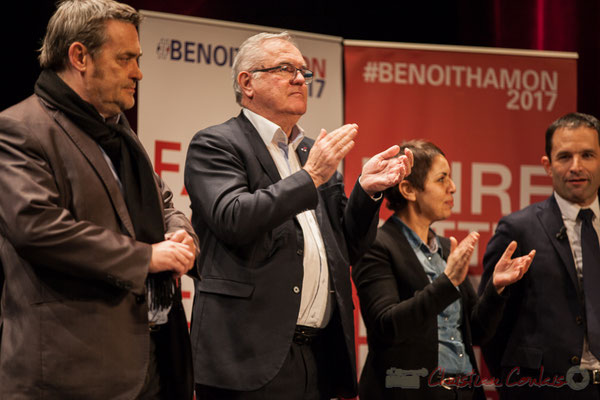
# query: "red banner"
487,109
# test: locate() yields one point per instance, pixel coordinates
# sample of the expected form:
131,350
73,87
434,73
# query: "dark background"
559,25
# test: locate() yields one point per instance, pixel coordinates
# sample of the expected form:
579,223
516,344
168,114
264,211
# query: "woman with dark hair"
422,316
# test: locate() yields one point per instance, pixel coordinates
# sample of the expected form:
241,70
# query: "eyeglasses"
290,71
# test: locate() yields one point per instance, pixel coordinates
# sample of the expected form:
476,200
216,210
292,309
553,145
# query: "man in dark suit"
90,244
272,315
545,345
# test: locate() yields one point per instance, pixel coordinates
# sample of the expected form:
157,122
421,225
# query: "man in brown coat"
90,245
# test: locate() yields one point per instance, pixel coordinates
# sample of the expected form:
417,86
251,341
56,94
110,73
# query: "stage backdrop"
187,86
487,109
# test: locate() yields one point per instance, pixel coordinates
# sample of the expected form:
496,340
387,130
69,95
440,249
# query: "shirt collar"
415,241
570,210
270,132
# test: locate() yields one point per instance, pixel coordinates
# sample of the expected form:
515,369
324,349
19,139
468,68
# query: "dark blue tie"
591,278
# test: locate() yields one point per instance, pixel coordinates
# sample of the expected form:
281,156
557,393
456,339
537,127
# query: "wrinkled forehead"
277,51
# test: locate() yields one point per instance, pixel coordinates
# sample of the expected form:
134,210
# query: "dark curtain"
557,25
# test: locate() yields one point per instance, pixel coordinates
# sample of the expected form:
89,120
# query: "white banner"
187,86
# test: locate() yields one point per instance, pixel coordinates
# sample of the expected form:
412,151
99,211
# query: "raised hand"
457,266
385,170
508,271
327,152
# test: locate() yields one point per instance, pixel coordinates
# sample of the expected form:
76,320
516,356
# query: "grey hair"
81,21
250,55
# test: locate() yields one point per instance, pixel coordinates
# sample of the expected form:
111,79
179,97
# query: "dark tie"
591,278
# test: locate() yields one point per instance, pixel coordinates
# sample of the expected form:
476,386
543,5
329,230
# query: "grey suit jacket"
73,312
251,264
